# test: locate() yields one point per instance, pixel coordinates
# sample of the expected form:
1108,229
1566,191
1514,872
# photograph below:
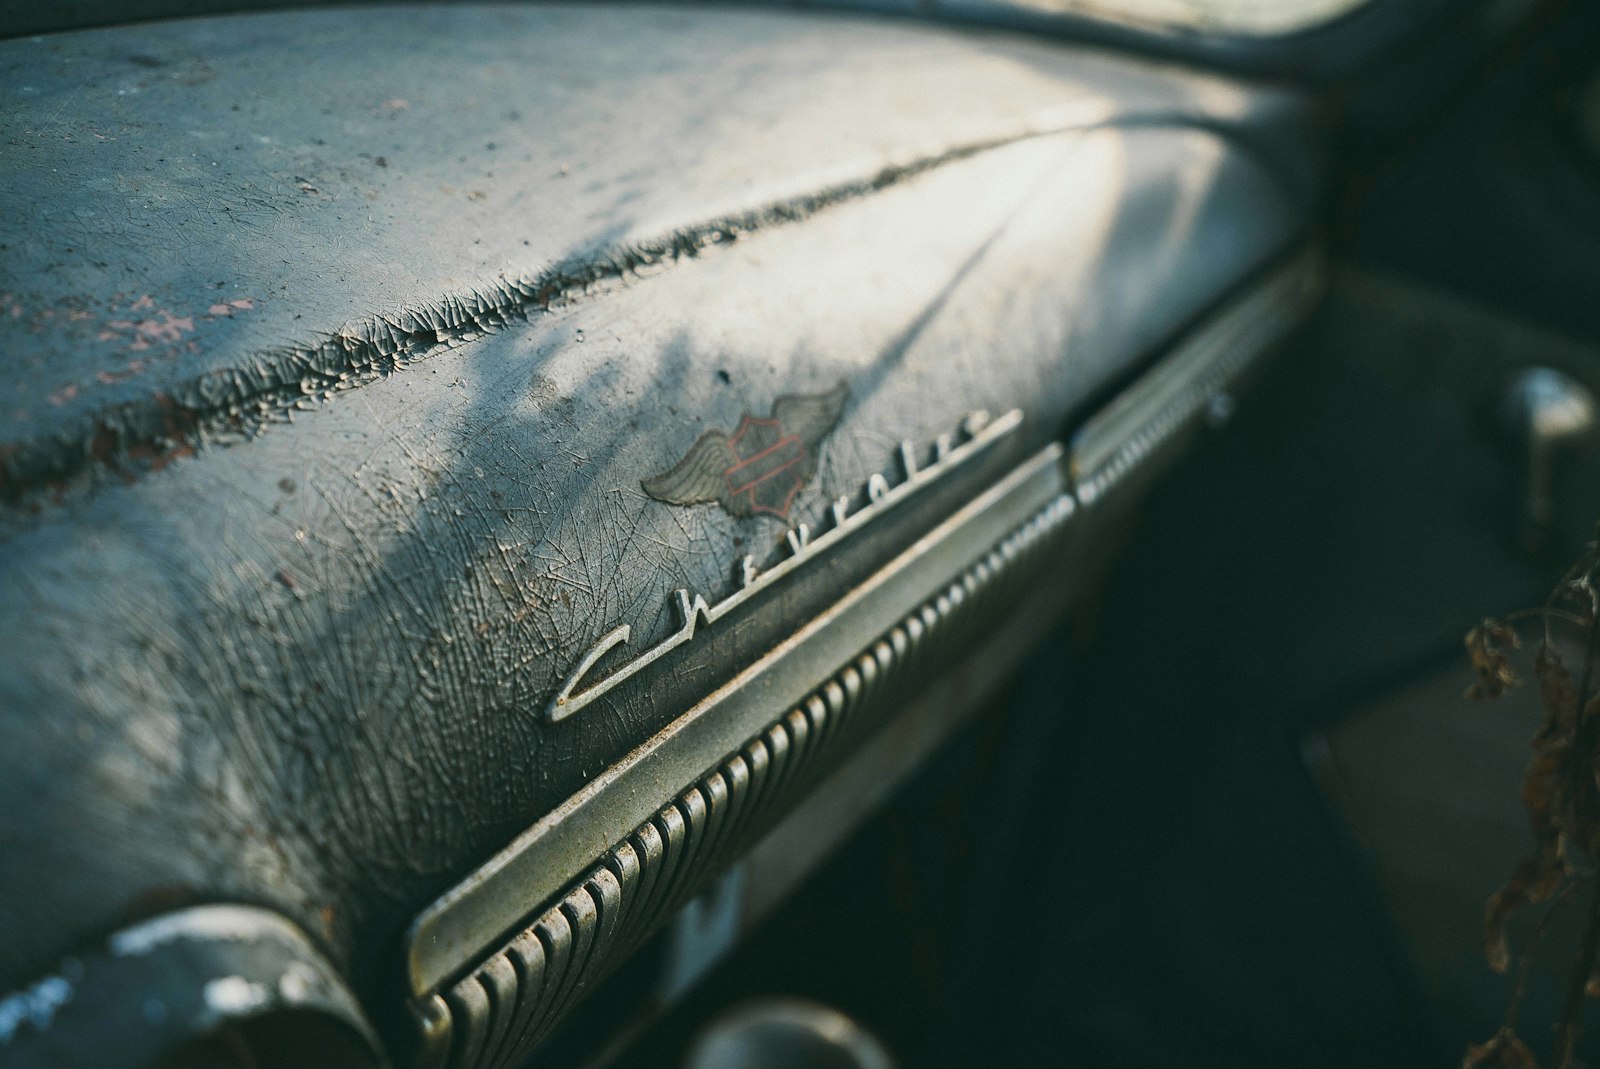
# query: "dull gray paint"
292,647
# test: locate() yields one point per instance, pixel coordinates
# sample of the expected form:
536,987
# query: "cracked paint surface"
283,611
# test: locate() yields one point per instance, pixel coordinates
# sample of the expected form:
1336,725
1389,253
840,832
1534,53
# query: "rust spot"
177,452
103,445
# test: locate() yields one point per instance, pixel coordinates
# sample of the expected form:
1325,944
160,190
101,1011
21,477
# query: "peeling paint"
136,325
235,404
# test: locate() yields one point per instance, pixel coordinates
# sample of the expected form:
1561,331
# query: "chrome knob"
786,1033
1546,412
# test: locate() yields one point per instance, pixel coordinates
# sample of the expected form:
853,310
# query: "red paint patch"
164,327
766,466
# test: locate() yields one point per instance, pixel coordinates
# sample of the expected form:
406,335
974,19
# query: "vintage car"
855,534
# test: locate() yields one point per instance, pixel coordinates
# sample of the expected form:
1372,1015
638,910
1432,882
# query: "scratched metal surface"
285,585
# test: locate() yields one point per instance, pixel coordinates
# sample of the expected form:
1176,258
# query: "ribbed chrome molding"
475,915
488,1002
496,1014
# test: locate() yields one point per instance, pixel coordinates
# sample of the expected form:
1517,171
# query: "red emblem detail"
769,466
761,466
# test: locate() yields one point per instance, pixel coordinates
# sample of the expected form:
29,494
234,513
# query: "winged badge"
762,465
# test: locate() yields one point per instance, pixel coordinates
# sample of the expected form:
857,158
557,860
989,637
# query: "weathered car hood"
339,344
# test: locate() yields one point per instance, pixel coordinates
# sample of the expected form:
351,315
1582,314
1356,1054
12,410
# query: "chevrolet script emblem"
762,466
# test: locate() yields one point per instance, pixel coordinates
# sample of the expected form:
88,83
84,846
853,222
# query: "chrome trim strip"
154,987
501,1009
980,433
464,924
473,916
1198,370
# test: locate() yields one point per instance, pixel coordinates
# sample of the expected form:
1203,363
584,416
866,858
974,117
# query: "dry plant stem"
1572,1014
1525,961
1584,743
1545,615
1561,793
1589,946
